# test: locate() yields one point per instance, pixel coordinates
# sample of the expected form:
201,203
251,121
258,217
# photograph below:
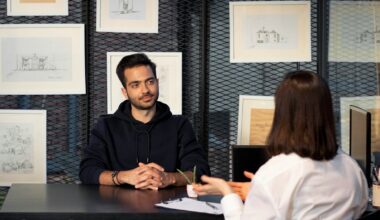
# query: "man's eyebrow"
134,82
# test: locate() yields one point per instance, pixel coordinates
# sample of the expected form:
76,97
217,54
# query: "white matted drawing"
22,146
255,119
42,59
270,31
369,103
37,7
354,33
130,16
169,74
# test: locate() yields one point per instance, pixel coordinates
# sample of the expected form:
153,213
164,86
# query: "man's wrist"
169,179
123,177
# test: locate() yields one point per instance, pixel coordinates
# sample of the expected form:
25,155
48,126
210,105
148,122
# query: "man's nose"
144,88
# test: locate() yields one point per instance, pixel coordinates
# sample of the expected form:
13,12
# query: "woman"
307,177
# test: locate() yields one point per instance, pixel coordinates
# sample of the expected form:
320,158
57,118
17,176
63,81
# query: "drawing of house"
34,62
125,6
265,36
372,37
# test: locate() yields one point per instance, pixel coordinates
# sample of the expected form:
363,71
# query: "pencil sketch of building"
126,6
369,37
264,36
16,149
34,62
163,74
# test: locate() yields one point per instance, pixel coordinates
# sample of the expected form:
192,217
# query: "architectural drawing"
127,16
369,36
263,31
354,34
37,59
126,6
16,149
34,62
163,72
264,36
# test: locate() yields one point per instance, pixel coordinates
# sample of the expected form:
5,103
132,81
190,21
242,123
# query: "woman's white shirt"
292,187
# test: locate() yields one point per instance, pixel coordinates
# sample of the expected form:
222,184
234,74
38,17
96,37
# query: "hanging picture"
37,7
368,103
22,146
40,59
270,31
169,74
131,16
255,119
354,33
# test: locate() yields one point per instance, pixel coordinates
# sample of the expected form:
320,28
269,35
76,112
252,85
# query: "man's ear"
124,92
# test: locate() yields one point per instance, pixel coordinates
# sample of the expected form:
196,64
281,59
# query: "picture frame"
22,146
354,31
255,119
37,7
270,31
127,16
370,104
42,59
169,74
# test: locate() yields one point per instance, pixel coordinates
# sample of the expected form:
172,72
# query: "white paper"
193,206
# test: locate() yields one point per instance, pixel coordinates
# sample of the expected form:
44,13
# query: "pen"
211,205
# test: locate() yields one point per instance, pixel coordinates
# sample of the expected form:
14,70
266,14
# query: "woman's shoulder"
279,165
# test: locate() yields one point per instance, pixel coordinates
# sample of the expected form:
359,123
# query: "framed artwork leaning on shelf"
42,59
368,103
22,146
255,119
169,74
37,8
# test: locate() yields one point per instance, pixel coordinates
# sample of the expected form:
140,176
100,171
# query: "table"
76,201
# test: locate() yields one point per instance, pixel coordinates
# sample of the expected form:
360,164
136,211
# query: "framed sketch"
354,33
132,16
270,31
255,119
37,7
369,103
169,74
38,59
22,146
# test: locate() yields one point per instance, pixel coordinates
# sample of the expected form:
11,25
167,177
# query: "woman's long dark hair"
303,120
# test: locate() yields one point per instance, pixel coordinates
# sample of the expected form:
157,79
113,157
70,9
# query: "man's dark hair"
303,120
134,60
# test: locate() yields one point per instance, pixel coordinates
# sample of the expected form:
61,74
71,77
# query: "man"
142,143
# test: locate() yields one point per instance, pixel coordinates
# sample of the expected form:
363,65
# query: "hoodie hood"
124,113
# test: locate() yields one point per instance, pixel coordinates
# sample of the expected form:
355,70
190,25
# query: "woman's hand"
242,188
213,186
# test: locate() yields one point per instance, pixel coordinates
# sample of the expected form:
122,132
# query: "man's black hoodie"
119,142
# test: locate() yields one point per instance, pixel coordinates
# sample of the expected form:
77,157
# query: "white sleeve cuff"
232,206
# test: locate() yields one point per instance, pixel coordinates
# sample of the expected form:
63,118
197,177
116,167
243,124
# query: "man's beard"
138,106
